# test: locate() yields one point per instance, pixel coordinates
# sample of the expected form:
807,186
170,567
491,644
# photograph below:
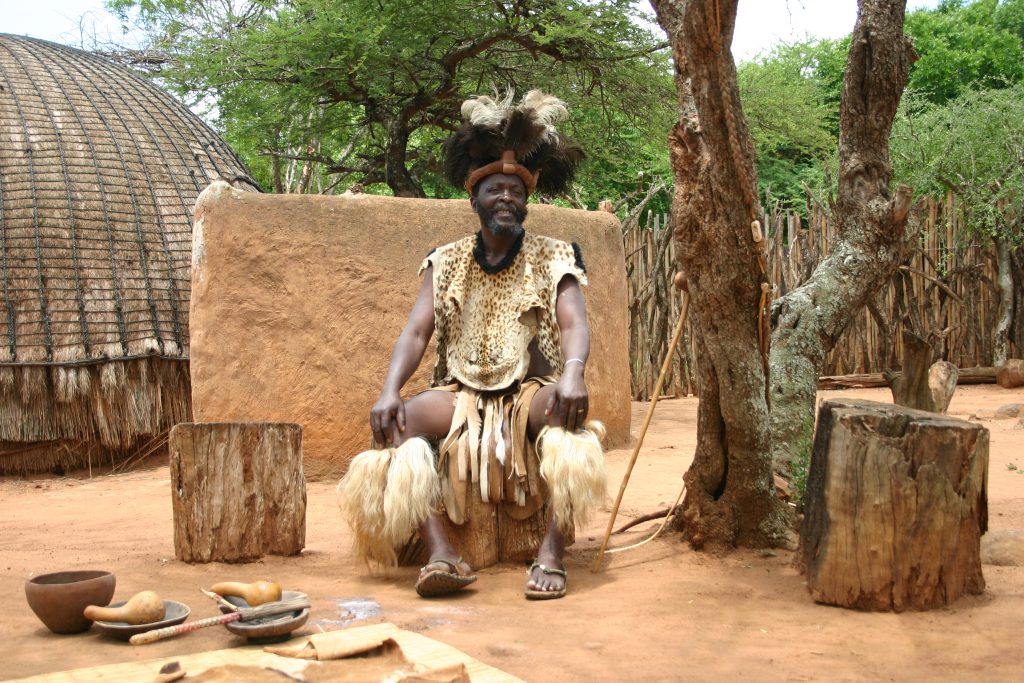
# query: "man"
509,401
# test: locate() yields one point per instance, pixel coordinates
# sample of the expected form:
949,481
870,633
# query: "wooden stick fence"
946,293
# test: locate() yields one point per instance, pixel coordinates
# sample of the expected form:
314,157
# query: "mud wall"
297,301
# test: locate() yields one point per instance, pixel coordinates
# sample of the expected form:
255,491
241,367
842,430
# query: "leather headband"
508,165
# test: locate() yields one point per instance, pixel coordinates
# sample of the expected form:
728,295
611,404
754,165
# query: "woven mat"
416,648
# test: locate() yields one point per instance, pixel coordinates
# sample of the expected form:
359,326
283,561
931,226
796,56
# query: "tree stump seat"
896,506
238,490
488,536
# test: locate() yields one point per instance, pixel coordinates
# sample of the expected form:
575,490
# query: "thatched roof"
99,171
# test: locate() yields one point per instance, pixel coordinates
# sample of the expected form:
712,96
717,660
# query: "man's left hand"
569,402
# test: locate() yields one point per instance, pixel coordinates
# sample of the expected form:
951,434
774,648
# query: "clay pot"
59,599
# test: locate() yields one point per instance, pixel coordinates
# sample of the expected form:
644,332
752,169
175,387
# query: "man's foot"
442,577
547,582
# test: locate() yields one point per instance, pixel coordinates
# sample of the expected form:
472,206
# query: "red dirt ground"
659,613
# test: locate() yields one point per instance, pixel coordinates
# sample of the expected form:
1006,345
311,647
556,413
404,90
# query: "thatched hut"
99,172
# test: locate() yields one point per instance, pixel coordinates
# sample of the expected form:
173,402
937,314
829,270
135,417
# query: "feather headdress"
497,137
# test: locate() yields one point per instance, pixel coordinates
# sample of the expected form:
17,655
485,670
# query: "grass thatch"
63,456
99,172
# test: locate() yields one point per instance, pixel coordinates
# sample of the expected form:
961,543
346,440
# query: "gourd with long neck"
255,593
142,608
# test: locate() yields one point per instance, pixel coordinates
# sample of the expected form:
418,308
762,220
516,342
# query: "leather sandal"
440,582
537,594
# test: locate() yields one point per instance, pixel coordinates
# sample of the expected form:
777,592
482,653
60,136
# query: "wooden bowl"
174,613
59,599
273,629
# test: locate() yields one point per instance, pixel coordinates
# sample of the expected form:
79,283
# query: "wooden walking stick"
655,394
243,614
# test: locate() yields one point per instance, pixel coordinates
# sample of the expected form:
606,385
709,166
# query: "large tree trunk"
1001,347
871,223
730,496
397,175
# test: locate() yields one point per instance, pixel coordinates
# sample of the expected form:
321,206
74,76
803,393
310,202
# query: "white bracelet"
578,360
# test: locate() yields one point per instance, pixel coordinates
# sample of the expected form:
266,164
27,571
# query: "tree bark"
730,498
871,224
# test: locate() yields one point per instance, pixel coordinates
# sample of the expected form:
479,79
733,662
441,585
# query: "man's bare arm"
570,400
405,358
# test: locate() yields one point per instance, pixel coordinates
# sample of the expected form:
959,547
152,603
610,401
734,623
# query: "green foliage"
960,121
974,145
962,46
790,118
784,105
800,466
366,90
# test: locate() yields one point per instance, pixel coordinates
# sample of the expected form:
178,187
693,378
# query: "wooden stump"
488,536
910,386
895,508
238,490
922,385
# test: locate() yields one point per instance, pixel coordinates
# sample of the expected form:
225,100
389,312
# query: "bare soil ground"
659,613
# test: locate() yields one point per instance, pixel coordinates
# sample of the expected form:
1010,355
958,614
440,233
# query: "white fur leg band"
413,490
386,495
572,464
361,499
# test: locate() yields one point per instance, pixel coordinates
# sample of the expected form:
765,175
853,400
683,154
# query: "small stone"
506,649
782,488
592,645
1008,411
1011,374
1003,548
1020,423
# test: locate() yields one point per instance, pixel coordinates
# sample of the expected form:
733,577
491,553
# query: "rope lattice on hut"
99,171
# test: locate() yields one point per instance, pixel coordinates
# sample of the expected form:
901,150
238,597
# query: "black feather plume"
494,127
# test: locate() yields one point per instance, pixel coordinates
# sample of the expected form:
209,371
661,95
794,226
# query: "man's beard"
497,229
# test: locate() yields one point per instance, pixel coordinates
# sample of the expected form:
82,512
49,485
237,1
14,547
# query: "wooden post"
896,505
238,490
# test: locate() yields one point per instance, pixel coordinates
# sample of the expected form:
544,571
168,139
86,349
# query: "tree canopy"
965,46
315,92
972,145
968,52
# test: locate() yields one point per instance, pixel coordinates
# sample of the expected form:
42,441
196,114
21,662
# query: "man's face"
500,201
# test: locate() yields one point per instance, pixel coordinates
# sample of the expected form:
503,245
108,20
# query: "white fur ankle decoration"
361,499
413,490
572,464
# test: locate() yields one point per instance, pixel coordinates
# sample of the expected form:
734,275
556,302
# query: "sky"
760,24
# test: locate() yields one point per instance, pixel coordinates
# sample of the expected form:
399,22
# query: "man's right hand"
388,411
